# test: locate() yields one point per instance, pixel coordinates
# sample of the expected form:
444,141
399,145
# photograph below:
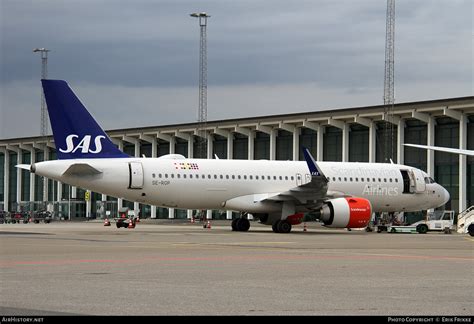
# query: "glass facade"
447,164
386,142
358,143
332,147
261,146
241,147
415,133
284,146
308,139
219,147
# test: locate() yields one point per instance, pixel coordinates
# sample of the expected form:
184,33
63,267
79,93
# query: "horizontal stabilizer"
23,166
81,169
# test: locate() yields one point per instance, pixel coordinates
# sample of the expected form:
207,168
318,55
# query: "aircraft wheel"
275,226
234,224
243,225
284,227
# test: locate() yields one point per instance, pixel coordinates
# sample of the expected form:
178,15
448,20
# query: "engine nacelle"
350,212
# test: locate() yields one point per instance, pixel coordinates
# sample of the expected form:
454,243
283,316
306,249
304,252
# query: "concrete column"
431,142
209,214
154,154
120,200
401,141
228,214
6,173
32,175
210,146
172,145
273,134
73,192
172,150
136,205
320,143
191,147
189,213
345,142
251,142
19,176
230,146
89,205
372,142
296,144
59,193
462,163
45,180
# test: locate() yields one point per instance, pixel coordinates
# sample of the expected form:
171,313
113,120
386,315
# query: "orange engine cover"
352,212
360,212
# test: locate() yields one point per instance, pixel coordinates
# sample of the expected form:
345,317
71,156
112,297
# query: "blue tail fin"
76,134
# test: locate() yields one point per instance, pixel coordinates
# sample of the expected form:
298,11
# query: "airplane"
443,149
277,193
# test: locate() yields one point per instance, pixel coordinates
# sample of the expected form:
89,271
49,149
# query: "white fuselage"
215,184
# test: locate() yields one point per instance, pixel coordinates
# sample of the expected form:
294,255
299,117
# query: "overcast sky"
135,63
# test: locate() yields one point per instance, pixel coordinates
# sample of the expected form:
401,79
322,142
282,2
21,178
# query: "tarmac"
179,268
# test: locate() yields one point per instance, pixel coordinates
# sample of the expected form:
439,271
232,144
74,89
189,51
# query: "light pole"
202,112
44,75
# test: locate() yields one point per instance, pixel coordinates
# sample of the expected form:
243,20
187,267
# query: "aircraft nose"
445,195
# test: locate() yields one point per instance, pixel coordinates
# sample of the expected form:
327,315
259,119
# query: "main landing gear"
281,226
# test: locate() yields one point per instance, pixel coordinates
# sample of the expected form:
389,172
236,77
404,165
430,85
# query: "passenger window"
256,177
245,177
251,177
390,179
357,179
292,178
190,176
281,178
274,177
368,179
238,177
233,177
215,176
184,176
373,179
340,179
396,180
172,175
269,178
350,179
179,176
166,175
345,179
362,179
159,175
384,179
221,176
153,175
286,177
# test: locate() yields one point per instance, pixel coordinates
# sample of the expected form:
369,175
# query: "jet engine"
352,212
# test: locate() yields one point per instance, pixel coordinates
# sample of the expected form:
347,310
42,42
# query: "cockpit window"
429,180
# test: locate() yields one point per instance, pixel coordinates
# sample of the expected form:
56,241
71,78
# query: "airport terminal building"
362,134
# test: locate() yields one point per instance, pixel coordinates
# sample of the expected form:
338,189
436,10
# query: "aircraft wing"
309,193
443,149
